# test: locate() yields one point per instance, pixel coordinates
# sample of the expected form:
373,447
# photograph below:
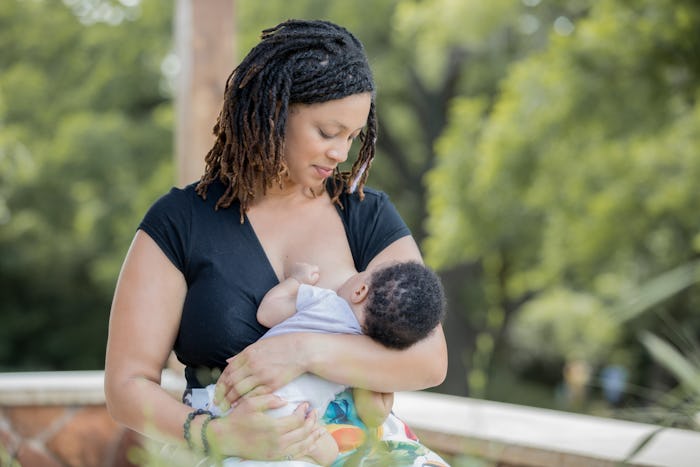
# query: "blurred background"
546,155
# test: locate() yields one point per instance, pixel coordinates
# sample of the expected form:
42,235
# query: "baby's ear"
360,293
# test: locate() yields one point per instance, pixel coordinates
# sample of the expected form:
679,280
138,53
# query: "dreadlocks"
296,62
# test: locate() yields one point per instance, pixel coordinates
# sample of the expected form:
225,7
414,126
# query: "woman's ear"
359,294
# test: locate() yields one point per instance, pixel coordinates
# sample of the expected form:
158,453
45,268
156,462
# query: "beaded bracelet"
205,441
186,426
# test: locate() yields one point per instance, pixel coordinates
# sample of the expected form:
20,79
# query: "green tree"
578,177
451,52
85,146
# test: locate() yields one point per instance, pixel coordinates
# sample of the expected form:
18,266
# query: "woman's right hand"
263,367
249,433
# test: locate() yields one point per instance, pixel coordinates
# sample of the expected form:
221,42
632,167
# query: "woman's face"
318,137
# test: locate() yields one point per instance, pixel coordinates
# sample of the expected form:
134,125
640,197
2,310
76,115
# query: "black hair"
296,62
406,301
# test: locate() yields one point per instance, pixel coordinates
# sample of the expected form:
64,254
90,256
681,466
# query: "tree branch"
388,144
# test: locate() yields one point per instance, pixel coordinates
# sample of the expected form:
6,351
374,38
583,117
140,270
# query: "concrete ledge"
65,387
504,434
520,435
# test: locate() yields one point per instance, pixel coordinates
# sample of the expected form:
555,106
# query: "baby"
397,305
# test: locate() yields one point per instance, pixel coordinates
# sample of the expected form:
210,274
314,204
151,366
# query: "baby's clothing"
317,310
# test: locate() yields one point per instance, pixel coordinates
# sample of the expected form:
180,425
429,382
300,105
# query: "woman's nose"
339,152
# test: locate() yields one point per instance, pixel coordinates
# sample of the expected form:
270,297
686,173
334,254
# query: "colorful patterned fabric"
392,444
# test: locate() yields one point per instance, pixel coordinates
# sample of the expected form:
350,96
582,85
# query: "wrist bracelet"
205,441
188,421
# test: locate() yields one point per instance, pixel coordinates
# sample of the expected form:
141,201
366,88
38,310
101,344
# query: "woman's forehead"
348,112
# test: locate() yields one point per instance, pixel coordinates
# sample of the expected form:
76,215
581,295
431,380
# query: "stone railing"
57,419
515,435
53,419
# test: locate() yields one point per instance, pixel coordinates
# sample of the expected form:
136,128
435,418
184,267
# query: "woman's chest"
315,236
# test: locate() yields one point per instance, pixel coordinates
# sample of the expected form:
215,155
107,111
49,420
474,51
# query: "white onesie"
317,310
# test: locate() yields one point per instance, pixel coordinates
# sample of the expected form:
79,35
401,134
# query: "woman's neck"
288,194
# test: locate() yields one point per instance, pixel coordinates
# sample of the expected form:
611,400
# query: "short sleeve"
168,223
305,296
372,224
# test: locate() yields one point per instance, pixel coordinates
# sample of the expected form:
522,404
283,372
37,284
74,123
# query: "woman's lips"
324,172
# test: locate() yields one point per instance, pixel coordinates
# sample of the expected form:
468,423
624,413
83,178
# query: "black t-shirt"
228,273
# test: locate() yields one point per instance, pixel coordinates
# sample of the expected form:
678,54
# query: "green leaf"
671,359
659,289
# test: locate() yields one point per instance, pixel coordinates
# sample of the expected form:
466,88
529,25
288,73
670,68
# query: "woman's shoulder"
369,196
372,193
177,209
187,196
370,206
176,195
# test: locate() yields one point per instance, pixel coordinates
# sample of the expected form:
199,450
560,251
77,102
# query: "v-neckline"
251,228
261,248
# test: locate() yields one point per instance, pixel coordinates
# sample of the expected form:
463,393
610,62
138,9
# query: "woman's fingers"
258,391
300,438
262,367
237,361
279,437
259,436
234,383
260,403
241,388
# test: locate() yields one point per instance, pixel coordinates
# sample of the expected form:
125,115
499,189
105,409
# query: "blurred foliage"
543,153
674,346
588,333
574,183
85,146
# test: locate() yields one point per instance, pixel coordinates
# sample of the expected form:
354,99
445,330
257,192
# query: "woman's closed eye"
326,135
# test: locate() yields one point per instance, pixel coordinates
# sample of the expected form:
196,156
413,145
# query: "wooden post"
204,39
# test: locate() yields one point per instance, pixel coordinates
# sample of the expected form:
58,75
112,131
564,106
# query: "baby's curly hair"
406,301
296,62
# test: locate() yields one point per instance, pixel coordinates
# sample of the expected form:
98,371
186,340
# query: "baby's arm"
373,407
279,303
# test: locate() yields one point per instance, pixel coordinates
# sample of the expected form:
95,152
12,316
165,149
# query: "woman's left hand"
262,367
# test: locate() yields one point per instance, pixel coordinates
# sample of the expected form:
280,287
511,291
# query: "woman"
204,256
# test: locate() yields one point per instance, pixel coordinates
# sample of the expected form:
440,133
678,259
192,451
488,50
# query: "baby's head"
401,303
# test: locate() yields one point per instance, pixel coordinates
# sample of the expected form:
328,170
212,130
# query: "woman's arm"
144,320
356,361
143,323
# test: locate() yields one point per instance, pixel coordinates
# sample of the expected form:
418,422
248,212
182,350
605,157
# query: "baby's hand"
305,273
